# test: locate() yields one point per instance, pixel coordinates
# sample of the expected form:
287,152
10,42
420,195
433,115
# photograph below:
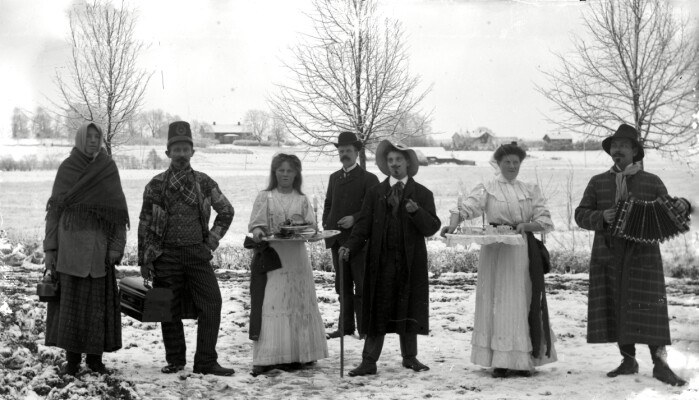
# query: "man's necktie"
394,198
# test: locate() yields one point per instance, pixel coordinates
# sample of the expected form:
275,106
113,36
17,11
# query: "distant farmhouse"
228,133
480,139
558,141
563,138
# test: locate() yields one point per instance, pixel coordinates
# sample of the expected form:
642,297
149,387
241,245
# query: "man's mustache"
343,158
618,154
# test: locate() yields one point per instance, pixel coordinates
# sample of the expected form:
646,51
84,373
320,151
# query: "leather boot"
94,362
662,371
414,364
628,365
365,368
499,372
72,365
214,369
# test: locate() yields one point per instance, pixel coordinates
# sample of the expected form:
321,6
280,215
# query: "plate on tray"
308,236
297,228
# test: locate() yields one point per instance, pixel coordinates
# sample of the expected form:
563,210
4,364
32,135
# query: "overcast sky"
213,60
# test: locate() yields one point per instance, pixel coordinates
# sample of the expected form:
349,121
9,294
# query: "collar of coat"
351,172
407,190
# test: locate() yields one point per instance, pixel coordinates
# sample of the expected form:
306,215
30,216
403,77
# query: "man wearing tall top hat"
343,201
396,216
627,303
175,244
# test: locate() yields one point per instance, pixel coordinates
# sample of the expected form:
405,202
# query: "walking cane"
342,317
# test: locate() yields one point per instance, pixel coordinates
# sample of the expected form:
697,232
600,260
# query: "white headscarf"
81,138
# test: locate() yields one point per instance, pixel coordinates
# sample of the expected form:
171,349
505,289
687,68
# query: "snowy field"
29,370
23,195
579,373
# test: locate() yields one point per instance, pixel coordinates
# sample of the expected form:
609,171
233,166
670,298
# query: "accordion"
649,221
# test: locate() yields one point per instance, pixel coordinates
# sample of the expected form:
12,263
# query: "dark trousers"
374,344
353,281
203,286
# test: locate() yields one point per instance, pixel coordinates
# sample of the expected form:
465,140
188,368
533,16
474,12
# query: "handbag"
49,289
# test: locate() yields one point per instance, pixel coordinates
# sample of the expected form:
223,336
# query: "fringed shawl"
87,188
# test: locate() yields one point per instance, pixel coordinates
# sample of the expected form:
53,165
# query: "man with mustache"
174,250
343,201
627,303
396,216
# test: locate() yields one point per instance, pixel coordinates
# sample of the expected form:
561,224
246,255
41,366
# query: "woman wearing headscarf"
511,329
86,224
291,332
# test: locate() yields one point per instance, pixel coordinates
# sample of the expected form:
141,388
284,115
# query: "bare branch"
639,67
349,74
103,82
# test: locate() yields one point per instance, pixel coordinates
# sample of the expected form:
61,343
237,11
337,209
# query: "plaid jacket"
153,220
626,301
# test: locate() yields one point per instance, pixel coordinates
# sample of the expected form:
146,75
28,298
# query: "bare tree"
638,66
278,130
350,74
413,122
154,120
20,124
103,82
42,124
258,121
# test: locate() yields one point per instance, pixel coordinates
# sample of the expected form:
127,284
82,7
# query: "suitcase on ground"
144,303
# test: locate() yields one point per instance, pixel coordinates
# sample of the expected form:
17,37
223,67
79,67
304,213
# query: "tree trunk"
362,158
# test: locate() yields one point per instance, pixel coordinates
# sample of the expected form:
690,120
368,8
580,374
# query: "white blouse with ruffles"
506,202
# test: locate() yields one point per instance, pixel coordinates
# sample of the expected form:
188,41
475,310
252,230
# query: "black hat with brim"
625,132
348,139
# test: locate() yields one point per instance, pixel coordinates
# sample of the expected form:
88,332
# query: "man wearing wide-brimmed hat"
343,201
396,216
627,303
174,248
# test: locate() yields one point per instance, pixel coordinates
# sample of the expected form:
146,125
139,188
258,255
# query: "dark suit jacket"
413,310
345,197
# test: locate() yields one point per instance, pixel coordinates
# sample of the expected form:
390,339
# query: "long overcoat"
626,301
412,312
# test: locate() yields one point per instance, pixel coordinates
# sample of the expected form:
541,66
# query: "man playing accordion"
627,302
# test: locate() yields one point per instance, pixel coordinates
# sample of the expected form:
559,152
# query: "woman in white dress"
292,332
501,334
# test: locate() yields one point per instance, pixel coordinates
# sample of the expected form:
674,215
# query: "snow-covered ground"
29,369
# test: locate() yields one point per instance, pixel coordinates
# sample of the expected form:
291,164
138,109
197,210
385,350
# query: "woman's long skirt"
501,336
87,319
292,328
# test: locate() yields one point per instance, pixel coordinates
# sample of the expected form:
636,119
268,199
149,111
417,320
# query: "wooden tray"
309,237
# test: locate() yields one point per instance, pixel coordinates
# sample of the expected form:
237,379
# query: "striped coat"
627,301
